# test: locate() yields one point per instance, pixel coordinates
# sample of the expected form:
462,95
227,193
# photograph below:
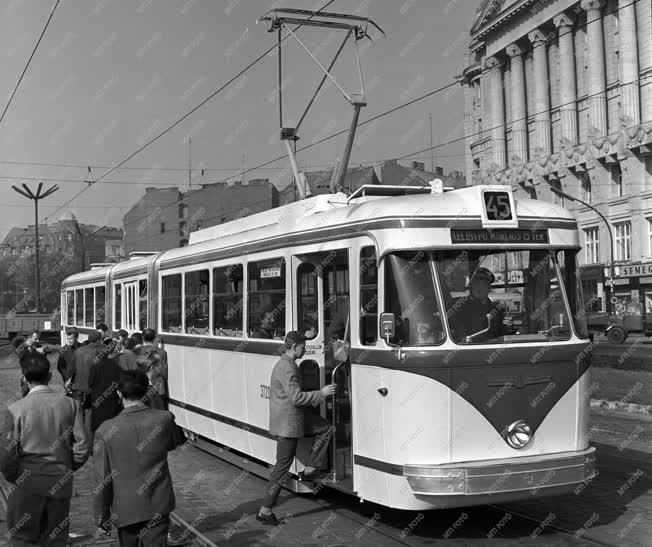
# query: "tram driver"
470,312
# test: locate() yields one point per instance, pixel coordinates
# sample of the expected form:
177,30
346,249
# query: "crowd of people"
115,410
115,396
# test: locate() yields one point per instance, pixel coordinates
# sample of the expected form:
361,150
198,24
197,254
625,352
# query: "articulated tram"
433,407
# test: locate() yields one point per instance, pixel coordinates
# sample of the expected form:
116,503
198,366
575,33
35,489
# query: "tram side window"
266,299
70,307
89,307
79,307
171,303
196,296
117,306
307,301
142,307
368,296
228,300
99,305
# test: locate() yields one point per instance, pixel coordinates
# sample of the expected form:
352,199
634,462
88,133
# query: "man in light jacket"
287,405
42,442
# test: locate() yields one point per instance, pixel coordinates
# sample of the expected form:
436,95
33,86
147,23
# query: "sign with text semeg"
272,271
634,270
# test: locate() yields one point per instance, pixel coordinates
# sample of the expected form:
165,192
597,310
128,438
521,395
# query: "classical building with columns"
558,94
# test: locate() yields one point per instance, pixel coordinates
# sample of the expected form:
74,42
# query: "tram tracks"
189,533
584,537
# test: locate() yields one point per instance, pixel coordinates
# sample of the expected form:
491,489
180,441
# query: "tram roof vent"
134,255
382,190
97,265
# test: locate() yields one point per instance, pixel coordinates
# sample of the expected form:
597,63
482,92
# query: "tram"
430,411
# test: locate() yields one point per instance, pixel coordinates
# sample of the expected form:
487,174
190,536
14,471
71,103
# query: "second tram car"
437,405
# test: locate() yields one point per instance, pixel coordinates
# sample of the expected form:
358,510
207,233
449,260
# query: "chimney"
439,171
149,189
418,166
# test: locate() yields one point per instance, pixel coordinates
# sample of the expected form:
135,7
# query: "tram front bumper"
532,473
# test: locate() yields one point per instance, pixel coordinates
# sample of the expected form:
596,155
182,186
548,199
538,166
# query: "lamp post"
35,196
611,236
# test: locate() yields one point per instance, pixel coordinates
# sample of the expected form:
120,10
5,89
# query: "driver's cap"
483,273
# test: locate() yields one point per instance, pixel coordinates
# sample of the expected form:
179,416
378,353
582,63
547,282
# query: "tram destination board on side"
498,236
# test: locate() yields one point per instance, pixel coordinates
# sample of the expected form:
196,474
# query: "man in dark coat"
83,360
65,364
287,405
131,465
103,384
155,359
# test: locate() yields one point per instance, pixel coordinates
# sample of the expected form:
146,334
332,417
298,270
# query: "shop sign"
635,270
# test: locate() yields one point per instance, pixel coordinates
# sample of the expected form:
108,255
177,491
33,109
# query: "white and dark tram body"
426,417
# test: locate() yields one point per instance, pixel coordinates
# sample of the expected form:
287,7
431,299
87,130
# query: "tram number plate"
498,236
497,206
264,391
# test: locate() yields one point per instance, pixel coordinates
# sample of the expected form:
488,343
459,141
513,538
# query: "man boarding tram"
287,421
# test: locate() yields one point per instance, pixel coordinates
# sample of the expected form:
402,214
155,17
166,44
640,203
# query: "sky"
109,75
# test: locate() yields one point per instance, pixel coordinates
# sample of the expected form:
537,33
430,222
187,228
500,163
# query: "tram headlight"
518,434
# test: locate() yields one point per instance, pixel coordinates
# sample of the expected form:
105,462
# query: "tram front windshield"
489,296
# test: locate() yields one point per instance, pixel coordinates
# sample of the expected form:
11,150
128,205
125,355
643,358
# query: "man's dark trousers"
35,519
152,533
286,449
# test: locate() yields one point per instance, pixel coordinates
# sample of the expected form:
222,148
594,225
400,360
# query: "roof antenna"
356,27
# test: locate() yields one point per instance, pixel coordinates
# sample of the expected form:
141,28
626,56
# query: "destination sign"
499,236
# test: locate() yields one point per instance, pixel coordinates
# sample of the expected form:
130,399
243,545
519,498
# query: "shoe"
176,540
267,519
312,476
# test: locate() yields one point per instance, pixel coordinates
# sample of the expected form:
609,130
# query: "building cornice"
578,159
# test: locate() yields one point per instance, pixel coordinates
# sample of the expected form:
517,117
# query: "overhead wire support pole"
280,80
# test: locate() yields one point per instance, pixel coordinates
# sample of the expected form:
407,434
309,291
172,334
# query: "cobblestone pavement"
221,500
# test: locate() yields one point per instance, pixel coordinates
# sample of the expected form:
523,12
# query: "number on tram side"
264,391
497,206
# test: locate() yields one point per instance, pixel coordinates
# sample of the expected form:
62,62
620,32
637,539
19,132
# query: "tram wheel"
616,335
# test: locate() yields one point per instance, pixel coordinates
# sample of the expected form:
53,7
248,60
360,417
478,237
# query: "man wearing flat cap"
473,309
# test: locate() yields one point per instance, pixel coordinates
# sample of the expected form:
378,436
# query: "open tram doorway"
321,286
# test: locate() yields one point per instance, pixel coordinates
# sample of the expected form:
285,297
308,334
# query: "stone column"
568,92
519,105
597,99
542,137
628,47
496,117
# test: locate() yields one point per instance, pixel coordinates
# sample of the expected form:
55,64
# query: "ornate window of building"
183,210
592,245
585,183
162,227
623,240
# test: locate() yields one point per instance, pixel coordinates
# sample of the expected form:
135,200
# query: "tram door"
322,314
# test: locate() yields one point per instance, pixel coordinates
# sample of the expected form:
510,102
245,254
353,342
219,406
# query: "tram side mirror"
387,325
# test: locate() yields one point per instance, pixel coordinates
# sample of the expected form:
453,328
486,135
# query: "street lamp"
35,196
611,236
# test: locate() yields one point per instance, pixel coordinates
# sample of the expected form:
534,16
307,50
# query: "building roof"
395,174
320,181
25,236
493,11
